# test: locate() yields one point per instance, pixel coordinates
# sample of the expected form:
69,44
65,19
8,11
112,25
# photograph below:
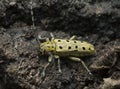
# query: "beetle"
71,48
56,48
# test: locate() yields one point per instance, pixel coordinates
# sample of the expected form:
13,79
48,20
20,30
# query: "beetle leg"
50,58
79,60
73,37
59,67
52,36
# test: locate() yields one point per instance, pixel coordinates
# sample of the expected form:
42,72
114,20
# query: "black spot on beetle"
69,47
60,47
67,40
89,48
75,42
59,40
48,46
76,47
83,48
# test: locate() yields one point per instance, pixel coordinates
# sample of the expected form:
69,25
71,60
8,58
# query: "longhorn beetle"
71,48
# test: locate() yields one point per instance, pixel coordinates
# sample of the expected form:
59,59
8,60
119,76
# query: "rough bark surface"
95,21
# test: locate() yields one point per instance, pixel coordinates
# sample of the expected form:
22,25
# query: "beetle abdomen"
73,48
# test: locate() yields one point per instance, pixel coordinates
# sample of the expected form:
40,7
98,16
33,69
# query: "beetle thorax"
47,46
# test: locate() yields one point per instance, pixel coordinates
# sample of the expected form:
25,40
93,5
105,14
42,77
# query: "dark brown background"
95,21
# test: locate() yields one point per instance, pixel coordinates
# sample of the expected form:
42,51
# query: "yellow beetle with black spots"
71,48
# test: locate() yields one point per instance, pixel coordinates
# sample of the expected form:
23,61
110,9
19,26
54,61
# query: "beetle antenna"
33,21
52,36
32,15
